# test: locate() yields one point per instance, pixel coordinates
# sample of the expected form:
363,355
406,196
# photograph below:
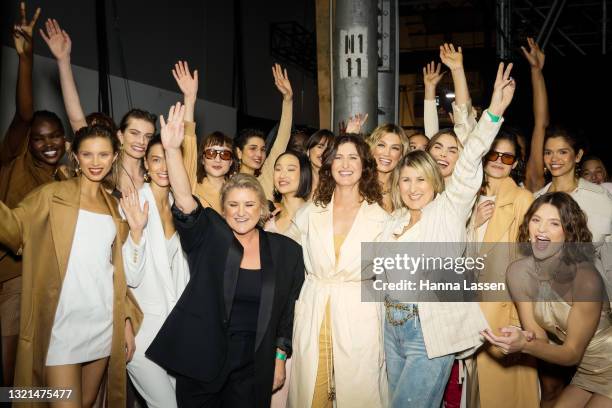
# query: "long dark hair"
517,173
369,187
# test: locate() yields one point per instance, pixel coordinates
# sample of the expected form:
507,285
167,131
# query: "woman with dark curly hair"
347,363
558,290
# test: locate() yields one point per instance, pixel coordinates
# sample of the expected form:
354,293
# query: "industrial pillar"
355,61
388,50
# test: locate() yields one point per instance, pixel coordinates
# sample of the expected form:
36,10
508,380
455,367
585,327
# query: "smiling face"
559,157
136,137
346,166
415,189
546,231
254,153
315,153
155,163
216,166
594,171
46,141
95,158
497,169
445,151
387,152
418,142
287,174
242,210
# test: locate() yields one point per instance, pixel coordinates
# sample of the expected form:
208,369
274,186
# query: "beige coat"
359,365
42,228
503,381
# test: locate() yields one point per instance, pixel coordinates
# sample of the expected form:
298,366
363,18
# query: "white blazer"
450,327
156,275
358,349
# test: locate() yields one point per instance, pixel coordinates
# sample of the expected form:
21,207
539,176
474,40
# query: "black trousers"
233,388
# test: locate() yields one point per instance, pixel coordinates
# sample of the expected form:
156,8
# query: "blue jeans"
415,381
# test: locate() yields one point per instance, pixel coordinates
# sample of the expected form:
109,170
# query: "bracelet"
281,356
494,118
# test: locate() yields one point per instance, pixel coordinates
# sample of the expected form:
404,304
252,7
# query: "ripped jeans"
415,380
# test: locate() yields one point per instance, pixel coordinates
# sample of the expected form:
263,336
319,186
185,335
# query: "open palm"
187,82
57,39
281,80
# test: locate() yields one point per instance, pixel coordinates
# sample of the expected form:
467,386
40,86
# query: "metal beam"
561,32
547,19
553,25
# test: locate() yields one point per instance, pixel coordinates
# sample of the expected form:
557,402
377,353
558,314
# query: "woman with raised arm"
156,269
446,144
345,363
136,128
495,379
315,147
210,165
228,337
388,144
534,173
30,155
560,295
78,318
425,337
251,144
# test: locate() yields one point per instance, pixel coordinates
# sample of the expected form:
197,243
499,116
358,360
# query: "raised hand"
57,39
281,80
503,90
355,123
22,32
535,56
452,58
432,74
136,217
187,82
173,131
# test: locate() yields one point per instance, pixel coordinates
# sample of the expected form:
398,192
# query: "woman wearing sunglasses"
501,206
212,163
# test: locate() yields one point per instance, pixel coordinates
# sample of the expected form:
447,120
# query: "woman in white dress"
156,269
424,337
77,318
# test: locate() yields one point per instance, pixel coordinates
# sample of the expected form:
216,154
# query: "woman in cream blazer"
346,363
157,271
442,329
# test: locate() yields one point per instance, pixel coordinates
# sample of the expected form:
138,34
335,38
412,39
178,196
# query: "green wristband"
494,118
281,356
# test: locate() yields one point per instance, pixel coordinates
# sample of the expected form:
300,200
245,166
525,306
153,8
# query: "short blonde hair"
247,181
381,130
422,162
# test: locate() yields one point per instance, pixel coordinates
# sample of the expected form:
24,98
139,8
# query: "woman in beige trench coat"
42,229
337,337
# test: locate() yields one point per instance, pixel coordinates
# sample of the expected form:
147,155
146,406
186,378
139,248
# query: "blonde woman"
388,144
424,337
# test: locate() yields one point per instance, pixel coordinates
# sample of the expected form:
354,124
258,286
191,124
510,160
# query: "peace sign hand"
22,32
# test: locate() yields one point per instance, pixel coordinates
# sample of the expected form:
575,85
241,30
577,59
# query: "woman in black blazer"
228,336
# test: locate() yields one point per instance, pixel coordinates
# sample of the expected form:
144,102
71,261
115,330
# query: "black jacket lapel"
230,274
268,283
